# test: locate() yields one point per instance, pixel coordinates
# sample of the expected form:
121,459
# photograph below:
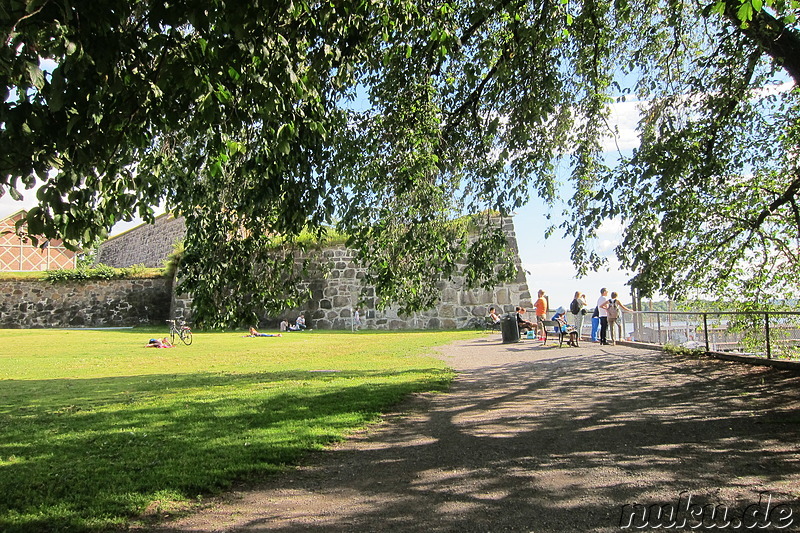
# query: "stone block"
447,311
450,295
330,291
503,297
341,301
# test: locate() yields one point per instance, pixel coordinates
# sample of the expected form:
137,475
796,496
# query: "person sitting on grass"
254,333
159,343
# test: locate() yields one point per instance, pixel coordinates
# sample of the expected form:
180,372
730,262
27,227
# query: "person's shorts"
540,319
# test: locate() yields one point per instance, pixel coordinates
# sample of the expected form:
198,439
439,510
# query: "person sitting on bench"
565,328
524,325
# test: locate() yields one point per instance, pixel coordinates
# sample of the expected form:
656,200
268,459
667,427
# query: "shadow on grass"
82,455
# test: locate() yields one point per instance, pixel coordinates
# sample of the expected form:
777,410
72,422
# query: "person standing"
356,319
613,307
595,324
576,308
540,307
602,312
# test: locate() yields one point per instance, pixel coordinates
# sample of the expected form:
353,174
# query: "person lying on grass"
159,343
254,333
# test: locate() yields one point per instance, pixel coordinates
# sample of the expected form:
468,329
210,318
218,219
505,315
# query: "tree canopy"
388,119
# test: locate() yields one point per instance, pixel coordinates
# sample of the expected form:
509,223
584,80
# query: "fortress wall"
25,304
335,294
101,303
148,244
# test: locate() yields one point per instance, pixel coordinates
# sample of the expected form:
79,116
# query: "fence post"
705,331
658,321
766,328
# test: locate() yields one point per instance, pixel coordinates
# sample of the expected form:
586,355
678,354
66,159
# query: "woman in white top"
602,311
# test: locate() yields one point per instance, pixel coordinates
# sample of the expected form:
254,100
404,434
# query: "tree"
245,118
710,197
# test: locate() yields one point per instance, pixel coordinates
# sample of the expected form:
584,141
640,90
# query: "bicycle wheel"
186,336
172,336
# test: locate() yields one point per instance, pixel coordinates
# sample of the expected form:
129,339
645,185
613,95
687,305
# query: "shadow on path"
543,439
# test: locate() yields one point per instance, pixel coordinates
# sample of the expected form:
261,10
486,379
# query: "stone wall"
148,244
112,303
336,294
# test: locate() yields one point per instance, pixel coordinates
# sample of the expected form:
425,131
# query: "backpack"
613,312
575,307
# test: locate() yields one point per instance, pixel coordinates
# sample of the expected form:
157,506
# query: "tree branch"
29,15
787,197
780,42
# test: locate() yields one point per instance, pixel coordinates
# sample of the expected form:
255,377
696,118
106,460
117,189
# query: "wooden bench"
550,325
490,325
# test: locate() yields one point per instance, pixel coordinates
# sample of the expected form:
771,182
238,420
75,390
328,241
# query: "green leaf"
35,75
745,12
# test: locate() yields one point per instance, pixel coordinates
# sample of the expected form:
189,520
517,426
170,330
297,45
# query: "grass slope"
94,427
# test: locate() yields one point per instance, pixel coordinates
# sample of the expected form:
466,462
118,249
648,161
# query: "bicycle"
180,329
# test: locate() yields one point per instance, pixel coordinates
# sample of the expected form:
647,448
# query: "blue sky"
547,260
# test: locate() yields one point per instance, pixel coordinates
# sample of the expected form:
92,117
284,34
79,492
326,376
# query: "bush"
683,350
100,271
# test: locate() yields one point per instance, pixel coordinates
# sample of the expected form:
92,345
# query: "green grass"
94,428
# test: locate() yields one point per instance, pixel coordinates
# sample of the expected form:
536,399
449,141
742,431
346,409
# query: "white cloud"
612,226
607,245
559,280
624,118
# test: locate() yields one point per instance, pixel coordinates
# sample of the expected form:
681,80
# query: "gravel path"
548,439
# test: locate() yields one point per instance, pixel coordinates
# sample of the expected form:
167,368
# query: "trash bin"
509,328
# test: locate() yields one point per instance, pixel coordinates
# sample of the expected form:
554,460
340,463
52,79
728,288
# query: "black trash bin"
509,328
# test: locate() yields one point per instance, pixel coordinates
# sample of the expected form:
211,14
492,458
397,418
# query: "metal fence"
770,334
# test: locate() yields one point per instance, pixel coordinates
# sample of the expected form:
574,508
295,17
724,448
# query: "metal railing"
761,333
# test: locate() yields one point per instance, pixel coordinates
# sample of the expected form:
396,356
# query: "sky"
547,262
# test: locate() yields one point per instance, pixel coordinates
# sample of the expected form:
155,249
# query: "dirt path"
547,440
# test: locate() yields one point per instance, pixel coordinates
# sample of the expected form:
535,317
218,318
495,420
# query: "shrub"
683,350
100,271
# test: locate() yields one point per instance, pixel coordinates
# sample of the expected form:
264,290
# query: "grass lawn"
95,428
